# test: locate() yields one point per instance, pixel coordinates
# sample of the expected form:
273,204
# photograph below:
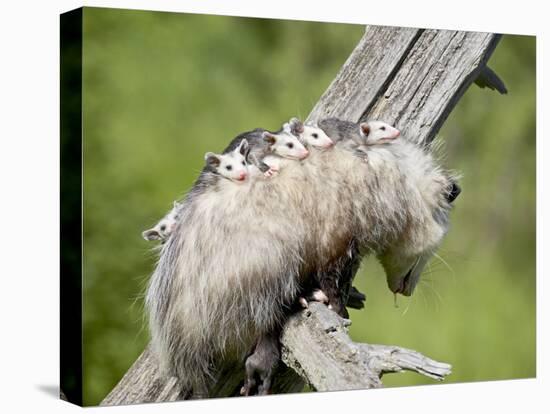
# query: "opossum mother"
239,252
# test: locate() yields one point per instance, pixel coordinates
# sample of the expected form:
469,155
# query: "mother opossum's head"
405,260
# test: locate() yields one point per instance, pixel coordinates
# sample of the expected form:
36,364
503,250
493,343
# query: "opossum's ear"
151,234
365,129
212,159
453,193
269,138
296,126
243,148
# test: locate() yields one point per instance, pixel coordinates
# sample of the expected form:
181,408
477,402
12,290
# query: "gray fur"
342,131
240,253
261,147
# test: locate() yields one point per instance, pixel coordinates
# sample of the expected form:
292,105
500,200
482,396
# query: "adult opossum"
240,253
403,239
402,261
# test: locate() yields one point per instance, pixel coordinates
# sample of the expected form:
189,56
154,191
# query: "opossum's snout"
389,134
242,176
406,284
304,154
329,143
403,274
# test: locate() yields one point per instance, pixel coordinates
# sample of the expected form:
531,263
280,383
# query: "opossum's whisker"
444,262
422,293
436,293
407,307
454,254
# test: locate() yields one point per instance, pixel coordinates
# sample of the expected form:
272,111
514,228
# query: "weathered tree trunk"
410,78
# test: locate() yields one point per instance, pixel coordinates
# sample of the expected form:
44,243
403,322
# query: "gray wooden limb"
433,77
489,79
315,343
143,383
365,73
385,359
411,78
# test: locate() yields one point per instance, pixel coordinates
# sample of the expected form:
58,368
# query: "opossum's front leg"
260,366
262,166
316,296
273,166
361,152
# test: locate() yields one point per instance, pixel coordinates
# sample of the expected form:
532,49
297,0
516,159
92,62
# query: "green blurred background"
161,89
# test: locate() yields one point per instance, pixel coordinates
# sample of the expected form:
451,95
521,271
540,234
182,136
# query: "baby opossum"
230,164
163,229
267,148
355,136
239,254
344,133
378,132
310,135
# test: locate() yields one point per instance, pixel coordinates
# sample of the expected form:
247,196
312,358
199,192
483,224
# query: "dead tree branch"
410,78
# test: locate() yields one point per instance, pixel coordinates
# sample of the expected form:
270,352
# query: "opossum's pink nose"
242,176
396,133
330,144
305,153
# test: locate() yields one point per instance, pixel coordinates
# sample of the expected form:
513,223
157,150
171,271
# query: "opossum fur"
240,253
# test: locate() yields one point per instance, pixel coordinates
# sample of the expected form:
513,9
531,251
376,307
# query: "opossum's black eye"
315,135
290,145
163,227
228,167
243,163
382,128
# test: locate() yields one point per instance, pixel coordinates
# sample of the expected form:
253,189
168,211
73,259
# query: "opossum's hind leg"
261,365
330,287
273,170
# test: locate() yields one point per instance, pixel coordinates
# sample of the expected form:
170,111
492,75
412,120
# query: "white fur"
309,134
378,132
288,146
239,253
231,165
163,229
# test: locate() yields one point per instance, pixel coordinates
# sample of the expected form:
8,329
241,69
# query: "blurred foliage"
161,89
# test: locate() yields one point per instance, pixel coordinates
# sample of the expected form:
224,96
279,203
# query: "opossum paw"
265,387
319,296
303,302
248,387
261,365
340,309
272,172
